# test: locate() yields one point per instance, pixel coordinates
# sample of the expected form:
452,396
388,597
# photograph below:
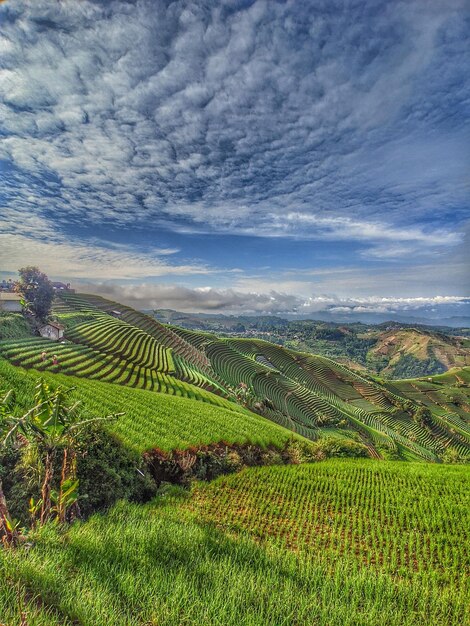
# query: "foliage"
13,326
410,367
108,472
284,545
453,457
301,392
8,534
208,462
51,426
422,416
37,291
297,452
152,420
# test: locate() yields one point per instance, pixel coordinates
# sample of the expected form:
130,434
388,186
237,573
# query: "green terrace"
303,392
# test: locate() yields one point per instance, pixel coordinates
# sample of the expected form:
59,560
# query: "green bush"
17,489
297,451
109,472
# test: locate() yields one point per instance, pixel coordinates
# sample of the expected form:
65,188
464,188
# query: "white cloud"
93,260
232,301
152,296
207,117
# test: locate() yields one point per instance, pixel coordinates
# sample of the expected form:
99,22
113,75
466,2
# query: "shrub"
451,456
109,472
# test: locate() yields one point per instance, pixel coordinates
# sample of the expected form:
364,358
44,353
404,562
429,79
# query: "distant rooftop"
7,295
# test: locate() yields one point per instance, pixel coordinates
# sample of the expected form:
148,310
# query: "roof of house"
5,295
54,325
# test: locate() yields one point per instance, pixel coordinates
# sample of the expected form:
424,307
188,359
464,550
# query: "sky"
239,156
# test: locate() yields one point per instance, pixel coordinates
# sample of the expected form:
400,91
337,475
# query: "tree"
422,416
53,425
37,290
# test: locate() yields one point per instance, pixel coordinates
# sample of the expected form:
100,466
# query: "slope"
152,420
305,393
292,545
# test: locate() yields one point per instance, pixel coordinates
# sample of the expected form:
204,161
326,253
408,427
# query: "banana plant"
53,424
8,529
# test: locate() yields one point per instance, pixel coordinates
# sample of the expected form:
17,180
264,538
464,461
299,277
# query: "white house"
52,330
10,301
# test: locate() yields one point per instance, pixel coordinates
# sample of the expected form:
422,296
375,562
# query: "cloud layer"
275,119
231,301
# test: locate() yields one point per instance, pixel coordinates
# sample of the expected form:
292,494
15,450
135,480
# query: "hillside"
308,394
338,543
408,352
391,349
151,421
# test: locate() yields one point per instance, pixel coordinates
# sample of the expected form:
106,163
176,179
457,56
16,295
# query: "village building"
62,287
10,302
52,330
7,285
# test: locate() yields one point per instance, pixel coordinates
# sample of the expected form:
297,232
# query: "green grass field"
331,544
13,326
153,419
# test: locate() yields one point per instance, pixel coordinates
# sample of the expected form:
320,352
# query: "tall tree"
37,290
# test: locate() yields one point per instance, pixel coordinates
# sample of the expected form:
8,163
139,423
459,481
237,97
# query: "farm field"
153,419
427,419
234,313
340,542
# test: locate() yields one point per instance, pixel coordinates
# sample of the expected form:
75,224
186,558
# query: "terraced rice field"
411,521
83,361
153,420
302,392
338,543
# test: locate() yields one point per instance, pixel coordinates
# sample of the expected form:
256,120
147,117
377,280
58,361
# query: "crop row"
118,338
82,361
406,520
161,333
151,419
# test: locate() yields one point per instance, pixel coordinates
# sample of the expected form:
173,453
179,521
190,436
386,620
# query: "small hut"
52,330
10,302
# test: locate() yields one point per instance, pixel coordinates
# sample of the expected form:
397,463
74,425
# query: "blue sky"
238,156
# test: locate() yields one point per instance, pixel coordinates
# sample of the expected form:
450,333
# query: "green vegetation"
293,545
379,348
303,541
80,360
330,510
37,291
408,366
150,419
13,326
304,393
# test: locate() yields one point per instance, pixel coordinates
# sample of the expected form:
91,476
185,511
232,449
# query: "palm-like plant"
52,425
8,533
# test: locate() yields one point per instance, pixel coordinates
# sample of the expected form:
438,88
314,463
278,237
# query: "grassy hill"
13,326
391,349
339,542
150,420
305,393
336,543
406,351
